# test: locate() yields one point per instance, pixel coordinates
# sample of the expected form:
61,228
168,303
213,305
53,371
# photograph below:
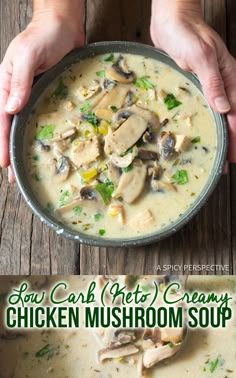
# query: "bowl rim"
91,50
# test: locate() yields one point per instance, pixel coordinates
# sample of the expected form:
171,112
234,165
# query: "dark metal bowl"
18,132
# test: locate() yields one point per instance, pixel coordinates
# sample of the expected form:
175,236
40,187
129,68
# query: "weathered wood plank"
206,239
26,246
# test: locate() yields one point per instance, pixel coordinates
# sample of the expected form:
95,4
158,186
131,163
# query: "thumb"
212,83
21,81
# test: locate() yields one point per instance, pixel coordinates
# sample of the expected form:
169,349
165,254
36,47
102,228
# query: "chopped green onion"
47,351
196,140
97,217
143,83
91,118
63,198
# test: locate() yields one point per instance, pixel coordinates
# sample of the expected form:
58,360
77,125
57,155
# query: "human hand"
44,42
178,28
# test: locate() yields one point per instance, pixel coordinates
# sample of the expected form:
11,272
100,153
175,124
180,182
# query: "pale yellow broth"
193,118
77,350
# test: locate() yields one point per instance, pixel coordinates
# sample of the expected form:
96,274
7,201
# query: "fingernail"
13,104
222,104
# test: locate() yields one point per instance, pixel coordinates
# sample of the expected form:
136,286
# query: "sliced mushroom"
130,99
126,136
174,335
39,145
162,94
120,72
86,152
155,171
155,355
152,334
88,192
117,352
148,136
159,186
115,97
108,84
114,173
166,143
62,169
124,113
131,183
164,122
84,93
142,221
66,134
144,154
125,161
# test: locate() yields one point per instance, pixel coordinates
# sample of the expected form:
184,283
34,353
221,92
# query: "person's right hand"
41,45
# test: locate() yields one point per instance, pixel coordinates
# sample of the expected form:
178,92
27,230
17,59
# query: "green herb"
140,142
214,364
132,280
36,157
114,108
143,83
170,344
97,217
63,198
91,118
146,288
77,210
101,73
47,351
129,151
36,177
49,207
102,232
196,140
46,132
105,189
109,58
128,169
181,177
85,107
171,102
61,90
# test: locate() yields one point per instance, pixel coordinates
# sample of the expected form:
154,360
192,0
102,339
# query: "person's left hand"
197,48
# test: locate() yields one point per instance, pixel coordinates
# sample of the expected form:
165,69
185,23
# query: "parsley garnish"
46,132
101,73
102,232
91,118
114,108
97,217
77,210
63,198
36,157
143,83
181,177
171,102
127,169
105,189
61,90
85,107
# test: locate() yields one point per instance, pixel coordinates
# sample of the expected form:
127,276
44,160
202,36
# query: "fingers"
21,81
11,178
5,119
208,71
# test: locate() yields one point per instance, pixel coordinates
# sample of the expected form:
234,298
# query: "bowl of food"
117,146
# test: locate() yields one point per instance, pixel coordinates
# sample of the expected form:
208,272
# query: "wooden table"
29,247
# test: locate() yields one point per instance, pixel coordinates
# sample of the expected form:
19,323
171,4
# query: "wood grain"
28,247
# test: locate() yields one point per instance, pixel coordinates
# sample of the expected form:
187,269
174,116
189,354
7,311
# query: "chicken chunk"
86,152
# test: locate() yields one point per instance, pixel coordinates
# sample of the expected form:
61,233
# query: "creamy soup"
72,354
120,146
